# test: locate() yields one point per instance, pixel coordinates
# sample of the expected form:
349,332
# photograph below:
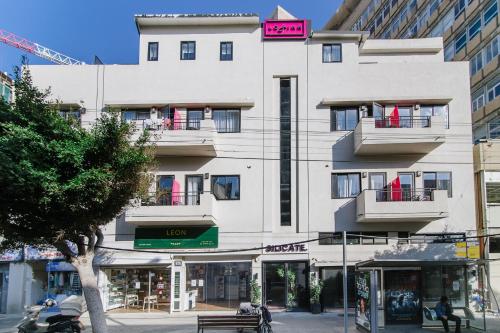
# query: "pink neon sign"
281,29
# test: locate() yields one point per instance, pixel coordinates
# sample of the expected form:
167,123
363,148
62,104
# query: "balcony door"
194,118
407,180
194,188
378,182
405,116
164,185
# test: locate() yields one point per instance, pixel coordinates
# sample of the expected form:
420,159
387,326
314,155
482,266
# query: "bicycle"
261,311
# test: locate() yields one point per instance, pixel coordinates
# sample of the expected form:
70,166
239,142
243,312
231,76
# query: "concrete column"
20,275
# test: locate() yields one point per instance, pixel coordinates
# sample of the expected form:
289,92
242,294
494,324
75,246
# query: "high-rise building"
271,141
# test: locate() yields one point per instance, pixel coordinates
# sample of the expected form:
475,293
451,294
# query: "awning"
413,263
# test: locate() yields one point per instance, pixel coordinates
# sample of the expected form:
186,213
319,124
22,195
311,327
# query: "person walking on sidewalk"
444,312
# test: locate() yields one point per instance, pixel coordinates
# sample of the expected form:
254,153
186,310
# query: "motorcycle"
68,321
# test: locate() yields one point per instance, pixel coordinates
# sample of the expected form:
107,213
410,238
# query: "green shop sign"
177,238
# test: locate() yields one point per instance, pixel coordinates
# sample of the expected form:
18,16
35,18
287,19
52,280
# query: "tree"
60,183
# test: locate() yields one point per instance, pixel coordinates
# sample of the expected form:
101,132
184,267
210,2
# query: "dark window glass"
353,238
490,12
285,153
153,51
494,244
460,41
373,238
226,51
332,52
226,187
188,50
227,121
194,118
438,181
493,192
330,238
401,237
346,185
475,27
344,119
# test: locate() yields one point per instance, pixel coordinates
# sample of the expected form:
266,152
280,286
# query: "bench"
229,322
430,315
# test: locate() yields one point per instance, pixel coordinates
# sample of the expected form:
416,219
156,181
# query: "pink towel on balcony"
176,193
394,117
396,194
177,120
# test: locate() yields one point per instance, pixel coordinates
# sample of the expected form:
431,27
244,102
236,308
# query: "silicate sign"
285,29
286,248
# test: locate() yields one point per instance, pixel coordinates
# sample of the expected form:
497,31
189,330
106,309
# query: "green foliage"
316,287
255,292
291,278
58,181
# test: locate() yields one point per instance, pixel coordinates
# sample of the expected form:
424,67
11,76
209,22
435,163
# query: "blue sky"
82,29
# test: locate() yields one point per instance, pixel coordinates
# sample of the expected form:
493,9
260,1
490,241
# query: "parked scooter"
68,321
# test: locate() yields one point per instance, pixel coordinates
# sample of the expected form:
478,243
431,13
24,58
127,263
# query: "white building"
266,141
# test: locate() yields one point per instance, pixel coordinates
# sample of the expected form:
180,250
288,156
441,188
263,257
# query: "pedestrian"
444,312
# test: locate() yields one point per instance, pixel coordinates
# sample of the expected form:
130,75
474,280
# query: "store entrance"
286,285
139,289
403,300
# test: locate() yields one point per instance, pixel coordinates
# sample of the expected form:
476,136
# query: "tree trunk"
83,264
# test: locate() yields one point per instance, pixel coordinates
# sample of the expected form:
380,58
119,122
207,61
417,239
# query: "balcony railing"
166,124
403,122
388,195
168,198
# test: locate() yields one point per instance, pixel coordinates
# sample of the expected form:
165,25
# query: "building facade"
6,87
272,139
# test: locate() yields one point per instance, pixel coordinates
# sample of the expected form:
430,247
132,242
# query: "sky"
106,28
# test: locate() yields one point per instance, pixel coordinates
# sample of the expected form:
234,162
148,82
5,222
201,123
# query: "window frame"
331,45
157,51
491,5
223,43
335,238
475,100
491,87
334,121
477,20
336,174
187,42
462,35
212,182
449,190
225,111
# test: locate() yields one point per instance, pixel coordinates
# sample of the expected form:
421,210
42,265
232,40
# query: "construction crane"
43,52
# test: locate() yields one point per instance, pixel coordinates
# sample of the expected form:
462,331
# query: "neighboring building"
262,142
6,85
470,31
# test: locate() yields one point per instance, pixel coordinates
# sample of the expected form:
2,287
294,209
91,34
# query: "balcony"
167,208
179,138
403,135
404,205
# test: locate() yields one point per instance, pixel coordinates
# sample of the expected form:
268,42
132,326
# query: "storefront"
6,258
332,295
286,284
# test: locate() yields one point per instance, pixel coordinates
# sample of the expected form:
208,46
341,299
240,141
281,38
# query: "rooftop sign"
285,29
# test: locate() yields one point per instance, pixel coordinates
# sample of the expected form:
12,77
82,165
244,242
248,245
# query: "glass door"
405,117
194,118
407,180
378,182
164,186
286,285
274,285
378,115
194,188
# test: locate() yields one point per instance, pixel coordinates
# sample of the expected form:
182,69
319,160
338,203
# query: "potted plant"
291,278
316,288
255,291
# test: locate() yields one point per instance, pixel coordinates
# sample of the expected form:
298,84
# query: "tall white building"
268,134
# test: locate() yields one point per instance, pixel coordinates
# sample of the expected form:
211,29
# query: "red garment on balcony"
176,193
177,120
394,117
396,193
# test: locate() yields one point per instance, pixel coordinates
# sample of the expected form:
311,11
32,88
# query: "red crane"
44,52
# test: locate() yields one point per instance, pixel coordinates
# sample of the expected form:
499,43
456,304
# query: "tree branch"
63,247
92,240
81,245
100,237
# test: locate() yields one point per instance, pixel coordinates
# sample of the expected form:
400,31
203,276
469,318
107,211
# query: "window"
330,238
188,50
460,41
492,49
194,118
494,245
153,51
438,181
433,6
449,52
285,153
493,193
226,187
332,52
135,115
475,27
436,110
493,89
459,7
71,115
344,119
476,63
353,238
345,185
403,237
477,100
226,51
372,238
490,12
227,121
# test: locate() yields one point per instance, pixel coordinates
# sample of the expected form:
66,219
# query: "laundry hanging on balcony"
177,120
396,194
394,118
176,193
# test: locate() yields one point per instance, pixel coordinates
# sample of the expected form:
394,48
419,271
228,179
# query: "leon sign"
285,29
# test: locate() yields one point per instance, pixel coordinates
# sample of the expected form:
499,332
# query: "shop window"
346,185
330,238
188,50
493,193
343,119
332,53
437,181
153,51
226,51
226,187
227,121
332,295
